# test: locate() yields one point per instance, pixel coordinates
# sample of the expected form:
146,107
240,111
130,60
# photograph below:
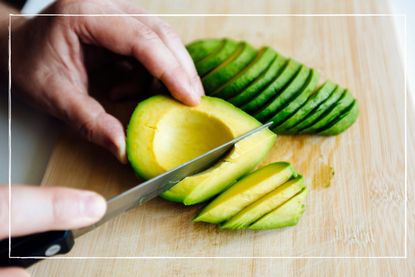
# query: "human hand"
35,210
49,63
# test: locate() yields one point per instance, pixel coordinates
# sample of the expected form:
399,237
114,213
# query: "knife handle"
38,245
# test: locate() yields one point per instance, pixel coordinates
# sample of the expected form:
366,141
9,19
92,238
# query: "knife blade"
30,249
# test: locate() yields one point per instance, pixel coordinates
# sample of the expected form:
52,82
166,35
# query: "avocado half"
163,133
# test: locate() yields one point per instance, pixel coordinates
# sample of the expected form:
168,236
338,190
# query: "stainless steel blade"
152,188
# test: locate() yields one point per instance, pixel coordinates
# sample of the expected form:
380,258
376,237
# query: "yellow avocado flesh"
266,204
164,133
246,192
286,215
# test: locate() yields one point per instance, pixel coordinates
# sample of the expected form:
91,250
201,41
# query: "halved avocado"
330,115
281,99
229,68
312,102
260,83
200,49
343,122
296,102
265,204
164,133
319,111
289,72
286,215
244,77
217,57
245,192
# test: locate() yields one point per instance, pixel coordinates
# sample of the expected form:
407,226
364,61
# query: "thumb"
88,116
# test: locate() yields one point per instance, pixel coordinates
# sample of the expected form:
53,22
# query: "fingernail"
94,206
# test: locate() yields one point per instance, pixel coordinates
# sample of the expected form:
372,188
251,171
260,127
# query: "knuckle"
146,33
174,70
167,31
58,210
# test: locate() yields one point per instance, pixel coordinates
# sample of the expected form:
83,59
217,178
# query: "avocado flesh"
260,83
298,101
330,115
244,77
266,204
217,57
343,122
229,68
202,48
319,111
313,101
286,215
164,133
288,73
246,191
282,98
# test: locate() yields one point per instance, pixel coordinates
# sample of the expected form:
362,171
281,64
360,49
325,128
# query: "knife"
27,250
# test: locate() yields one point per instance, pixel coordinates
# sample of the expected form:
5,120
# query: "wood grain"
361,212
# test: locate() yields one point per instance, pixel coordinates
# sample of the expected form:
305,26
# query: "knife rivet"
52,250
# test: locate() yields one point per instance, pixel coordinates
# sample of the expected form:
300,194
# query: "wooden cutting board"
359,213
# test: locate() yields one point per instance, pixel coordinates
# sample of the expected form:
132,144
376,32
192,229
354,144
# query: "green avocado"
217,57
313,101
200,49
281,99
319,111
245,192
266,204
260,83
343,122
229,68
235,85
298,101
286,215
163,133
331,114
274,88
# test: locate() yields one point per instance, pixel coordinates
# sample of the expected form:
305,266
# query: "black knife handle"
36,245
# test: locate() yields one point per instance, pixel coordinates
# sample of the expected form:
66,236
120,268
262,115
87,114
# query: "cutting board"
356,214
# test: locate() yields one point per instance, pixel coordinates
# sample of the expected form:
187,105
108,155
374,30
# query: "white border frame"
405,256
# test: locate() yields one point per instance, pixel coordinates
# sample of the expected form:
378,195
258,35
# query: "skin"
52,58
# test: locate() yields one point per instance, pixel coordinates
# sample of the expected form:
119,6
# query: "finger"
171,39
35,209
13,272
87,115
145,45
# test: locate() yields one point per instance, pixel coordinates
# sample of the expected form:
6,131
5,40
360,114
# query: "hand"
35,209
49,68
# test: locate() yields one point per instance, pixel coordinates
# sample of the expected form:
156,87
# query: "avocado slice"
245,192
260,83
266,204
229,68
298,101
163,133
319,111
200,49
312,102
261,62
217,57
281,99
343,122
286,215
288,73
331,114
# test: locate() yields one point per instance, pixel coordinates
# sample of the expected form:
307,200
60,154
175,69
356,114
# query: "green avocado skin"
312,102
200,49
270,87
217,57
229,68
282,98
244,77
289,71
255,89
